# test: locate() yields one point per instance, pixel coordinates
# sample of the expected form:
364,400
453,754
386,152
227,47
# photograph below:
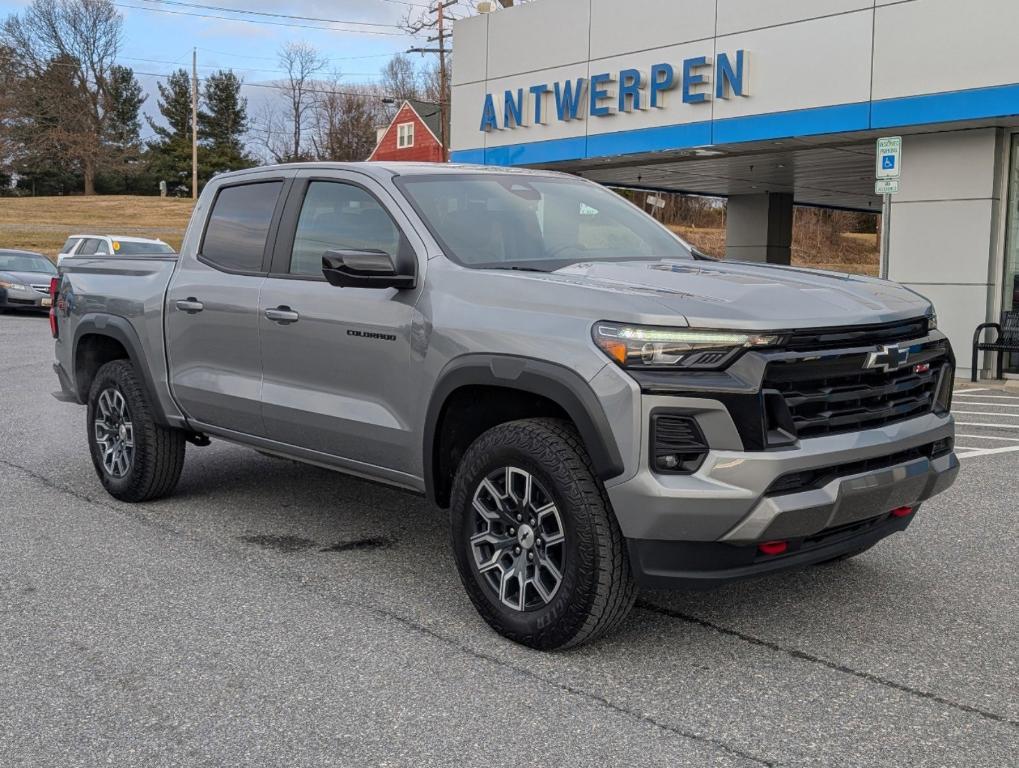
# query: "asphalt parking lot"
275,614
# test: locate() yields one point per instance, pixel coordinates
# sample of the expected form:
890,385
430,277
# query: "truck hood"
750,296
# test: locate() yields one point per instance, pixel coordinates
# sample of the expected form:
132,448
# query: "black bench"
1007,340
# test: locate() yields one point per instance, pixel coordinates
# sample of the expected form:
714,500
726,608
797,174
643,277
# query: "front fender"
557,383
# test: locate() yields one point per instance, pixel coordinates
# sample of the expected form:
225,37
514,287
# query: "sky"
159,37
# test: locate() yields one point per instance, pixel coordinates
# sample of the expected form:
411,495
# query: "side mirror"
363,269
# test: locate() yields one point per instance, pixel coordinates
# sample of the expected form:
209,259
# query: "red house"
412,135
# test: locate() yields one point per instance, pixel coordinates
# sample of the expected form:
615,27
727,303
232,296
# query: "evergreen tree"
170,155
124,101
222,125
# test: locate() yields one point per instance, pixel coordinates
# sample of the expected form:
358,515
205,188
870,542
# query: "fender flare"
120,330
560,384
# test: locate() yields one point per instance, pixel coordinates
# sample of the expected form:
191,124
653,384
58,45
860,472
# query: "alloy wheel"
114,432
519,544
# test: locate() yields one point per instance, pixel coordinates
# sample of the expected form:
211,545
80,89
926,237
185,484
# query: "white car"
110,245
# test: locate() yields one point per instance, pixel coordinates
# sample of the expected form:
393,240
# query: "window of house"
404,135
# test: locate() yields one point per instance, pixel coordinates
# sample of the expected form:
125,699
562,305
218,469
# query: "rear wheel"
535,538
135,458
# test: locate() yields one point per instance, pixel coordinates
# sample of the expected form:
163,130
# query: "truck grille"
42,288
838,394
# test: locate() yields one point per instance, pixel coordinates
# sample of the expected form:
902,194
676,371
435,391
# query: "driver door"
338,364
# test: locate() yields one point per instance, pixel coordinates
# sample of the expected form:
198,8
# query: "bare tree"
302,63
83,37
346,117
400,78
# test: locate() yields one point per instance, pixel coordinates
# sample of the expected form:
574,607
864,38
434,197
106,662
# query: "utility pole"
441,37
194,124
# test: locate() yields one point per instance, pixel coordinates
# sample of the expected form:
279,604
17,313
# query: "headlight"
641,346
932,319
13,286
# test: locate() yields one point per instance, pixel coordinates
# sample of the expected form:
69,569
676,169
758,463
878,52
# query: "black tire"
158,452
597,588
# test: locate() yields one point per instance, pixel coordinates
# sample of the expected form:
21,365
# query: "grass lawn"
43,223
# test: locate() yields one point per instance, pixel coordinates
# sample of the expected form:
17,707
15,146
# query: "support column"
945,230
759,228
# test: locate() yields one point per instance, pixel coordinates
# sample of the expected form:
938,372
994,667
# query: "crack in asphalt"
804,656
565,687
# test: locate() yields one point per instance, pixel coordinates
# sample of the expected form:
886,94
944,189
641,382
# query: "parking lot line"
995,405
991,437
967,392
976,389
989,413
980,424
986,451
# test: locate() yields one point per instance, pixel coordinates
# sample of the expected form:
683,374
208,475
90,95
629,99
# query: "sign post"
887,172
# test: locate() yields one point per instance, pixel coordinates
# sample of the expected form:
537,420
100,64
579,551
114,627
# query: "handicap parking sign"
889,156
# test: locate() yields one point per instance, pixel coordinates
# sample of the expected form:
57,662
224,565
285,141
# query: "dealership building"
771,103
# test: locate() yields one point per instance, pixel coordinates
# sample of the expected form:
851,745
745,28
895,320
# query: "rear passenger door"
341,376
212,322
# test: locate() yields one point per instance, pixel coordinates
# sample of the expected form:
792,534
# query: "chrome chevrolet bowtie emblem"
889,357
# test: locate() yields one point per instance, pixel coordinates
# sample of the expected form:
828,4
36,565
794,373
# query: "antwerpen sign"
625,91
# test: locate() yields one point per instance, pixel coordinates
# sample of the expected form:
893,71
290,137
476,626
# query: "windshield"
511,221
128,248
26,262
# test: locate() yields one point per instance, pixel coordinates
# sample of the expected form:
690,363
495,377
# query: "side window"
239,224
102,248
69,245
88,248
338,216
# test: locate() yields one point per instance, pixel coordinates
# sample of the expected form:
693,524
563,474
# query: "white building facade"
771,103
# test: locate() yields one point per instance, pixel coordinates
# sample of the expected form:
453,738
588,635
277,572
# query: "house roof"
430,114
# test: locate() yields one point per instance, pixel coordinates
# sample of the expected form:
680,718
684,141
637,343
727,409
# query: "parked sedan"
25,280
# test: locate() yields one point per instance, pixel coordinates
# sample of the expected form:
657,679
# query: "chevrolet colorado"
597,405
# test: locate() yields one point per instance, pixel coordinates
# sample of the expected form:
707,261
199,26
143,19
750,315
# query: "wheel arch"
100,338
551,385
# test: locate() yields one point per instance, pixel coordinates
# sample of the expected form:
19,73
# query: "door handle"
283,315
191,305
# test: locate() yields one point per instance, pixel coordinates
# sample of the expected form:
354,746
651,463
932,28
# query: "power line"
270,14
243,69
276,58
265,22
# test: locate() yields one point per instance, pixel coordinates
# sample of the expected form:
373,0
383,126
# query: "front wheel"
136,458
535,538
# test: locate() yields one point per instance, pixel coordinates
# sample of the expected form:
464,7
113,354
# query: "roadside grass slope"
43,223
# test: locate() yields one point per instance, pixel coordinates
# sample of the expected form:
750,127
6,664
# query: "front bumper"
698,565
704,528
28,300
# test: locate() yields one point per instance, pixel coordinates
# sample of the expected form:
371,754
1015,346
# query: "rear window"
239,224
125,248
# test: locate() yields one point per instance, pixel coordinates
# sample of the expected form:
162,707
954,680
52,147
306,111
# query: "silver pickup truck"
597,405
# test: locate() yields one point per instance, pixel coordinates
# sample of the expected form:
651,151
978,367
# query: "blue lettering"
569,98
730,80
513,108
690,80
539,92
488,118
630,82
598,94
663,78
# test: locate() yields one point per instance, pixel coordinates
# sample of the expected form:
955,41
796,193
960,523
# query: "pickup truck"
598,406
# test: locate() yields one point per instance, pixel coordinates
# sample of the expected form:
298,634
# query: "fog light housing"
677,445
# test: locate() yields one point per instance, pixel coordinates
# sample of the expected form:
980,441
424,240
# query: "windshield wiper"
518,269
